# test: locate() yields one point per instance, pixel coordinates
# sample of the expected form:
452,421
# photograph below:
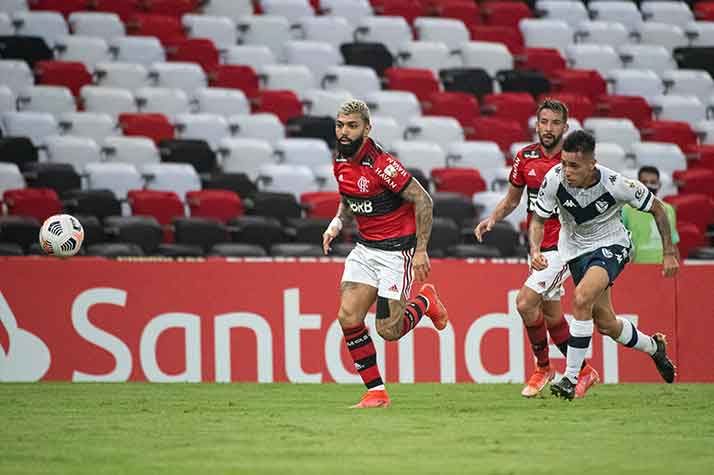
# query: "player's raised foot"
540,377
664,365
586,379
372,399
564,389
437,312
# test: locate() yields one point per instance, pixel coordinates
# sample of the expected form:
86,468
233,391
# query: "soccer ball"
61,235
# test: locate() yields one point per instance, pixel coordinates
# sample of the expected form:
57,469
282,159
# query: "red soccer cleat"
542,376
587,378
371,399
437,312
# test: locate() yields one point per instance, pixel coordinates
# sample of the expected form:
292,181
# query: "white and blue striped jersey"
590,217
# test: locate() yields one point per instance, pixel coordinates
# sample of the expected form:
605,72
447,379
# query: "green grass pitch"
209,429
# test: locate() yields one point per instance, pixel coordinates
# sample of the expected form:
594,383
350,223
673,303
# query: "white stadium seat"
53,99
318,102
130,76
602,58
335,30
89,50
667,157
177,177
245,155
302,151
386,130
48,25
232,9
602,32
426,55
689,81
450,31
6,28
296,77
287,8
285,178
162,100
705,130
269,30
681,108
484,156
12,6
120,178
392,31
635,82
108,100
316,55
674,13
543,33
701,33
440,130
7,99
352,9
488,200
10,177
620,131
325,177
137,49
209,127
219,29
663,34
654,57
181,75
254,56
77,151
492,57
136,151
265,126
34,125
99,24
225,102
401,105
570,12
620,11
610,155
358,80
91,125
422,155
16,74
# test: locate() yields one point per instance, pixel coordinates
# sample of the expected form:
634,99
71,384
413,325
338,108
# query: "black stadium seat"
235,249
143,231
19,230
194,152
371,55
454,206
93,229
202,232
18,150
236,182
29,48
515,80
308,126
281,206
695,57
10,249
474,81
296,250
99,203
444,235
260,230
61,177
115,249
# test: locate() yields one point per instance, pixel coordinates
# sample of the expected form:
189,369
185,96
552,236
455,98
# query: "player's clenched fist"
331,233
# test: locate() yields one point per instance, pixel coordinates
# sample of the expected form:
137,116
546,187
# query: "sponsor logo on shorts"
394,288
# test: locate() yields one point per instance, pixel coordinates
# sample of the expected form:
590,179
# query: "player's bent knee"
348,319
527,305
581,300
387,329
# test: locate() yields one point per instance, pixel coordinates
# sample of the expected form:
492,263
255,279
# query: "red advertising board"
86,319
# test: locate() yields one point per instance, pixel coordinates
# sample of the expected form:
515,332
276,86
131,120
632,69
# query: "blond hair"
355,106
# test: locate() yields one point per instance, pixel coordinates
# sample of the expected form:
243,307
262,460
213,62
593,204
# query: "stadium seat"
193,50
601,32
634,108
695,208
61,177
465,181
117,177
673,13
285,104
235,77
34,125
459,105
200,231
287,8
10,248
137,49
88,124
690,238
269,30
196,153
475,81
335,30
162,27
424,156
96,24
12,6
700,33
222,205
321,103
545,33
27,48
88,50
705,131
401,105
19,151
484,156
98,203
618,131
107,100
316,56
16,74
77,151
663,34
221,101
114,250
296,250
502,131
234,249
570,12
667,157
72,75
508,35
64,7
358,80
311,127
245,155
220,30
209,127
294,77
533,82
7,99
52,99
164,206
143,231
698,180
45,24
492,57
685,108
517,106
676,132
421,82
352,9
654,57
447,30
286,178
454,206
266,126
177,177
154,126
587,82
320,204
257,230
254,56
38,203
544,60
599,57
178,75
700,57
22,231
425,55
121,7
130,76
688,81
386,130
280,206
468,13
703,11
230,8
440,130
132,150
239,183
623,12
10,177
610,155
579,107
6,27
371,55
391,31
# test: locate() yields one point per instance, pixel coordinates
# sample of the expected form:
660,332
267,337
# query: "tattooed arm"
670,265
423,206
344,216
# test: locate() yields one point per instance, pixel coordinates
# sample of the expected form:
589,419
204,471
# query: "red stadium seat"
235,77
634,108
38,203
505,13
704,11
690,238
123,8
165,206
466,181
193,50
65,7
679,133
70,74
165,27
320,204
170,7
702,156
502,131
579,106
698,180
283,103
508,35
407,9
154,126
422,82
697,209
459,105
464,10
518,106
545,60
587,82
222,205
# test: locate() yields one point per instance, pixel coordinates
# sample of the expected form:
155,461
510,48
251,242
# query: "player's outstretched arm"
502,209
670,264
535,237
344,215
423,206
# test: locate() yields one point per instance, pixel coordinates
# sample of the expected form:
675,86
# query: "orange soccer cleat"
587,378
542,376
371,399
437,312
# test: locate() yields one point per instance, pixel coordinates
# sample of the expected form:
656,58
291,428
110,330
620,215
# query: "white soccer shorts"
549,281
390,272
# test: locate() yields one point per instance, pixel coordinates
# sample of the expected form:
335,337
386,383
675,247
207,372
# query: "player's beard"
350,148
556,140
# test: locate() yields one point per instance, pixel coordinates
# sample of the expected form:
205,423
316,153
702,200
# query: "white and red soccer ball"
61,235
